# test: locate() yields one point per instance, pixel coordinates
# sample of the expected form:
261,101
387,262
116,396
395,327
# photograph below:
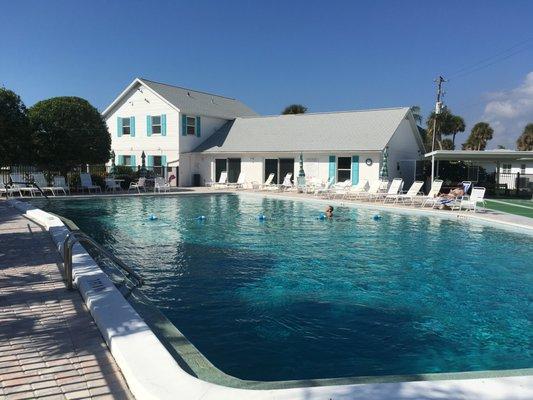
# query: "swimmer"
329,211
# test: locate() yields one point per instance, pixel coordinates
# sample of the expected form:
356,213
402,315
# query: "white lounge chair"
222,181
373,190
477,196
20,185
326,188
411,193
394,189
87,183
353,191
40,180
287,183
268,183
112,184
140,184
61,185
160,185
241,181
453,202
339,189
431,196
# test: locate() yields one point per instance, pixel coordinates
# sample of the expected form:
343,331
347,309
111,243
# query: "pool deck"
50,347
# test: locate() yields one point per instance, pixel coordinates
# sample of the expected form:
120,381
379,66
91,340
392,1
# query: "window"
523,168
156,124
126,126
506,168
126,160
344,168
191,126
158,162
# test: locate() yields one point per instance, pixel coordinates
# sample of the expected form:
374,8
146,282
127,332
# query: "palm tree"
417,114
525,141
480,134
294,109
448,124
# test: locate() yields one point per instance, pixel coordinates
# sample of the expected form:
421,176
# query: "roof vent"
212,100
189,94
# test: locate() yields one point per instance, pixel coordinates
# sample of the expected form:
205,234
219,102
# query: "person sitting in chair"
453,194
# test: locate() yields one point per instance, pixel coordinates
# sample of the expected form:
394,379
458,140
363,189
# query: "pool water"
296,297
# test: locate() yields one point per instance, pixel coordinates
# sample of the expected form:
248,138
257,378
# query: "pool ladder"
78,236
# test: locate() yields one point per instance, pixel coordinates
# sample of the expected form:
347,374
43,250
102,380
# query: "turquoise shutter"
133,161
355,170
120,160
183,125
163,125
119,126
197,126
149,161
148,125
132,126
163,161
331,167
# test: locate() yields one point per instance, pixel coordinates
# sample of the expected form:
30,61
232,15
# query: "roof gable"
365,130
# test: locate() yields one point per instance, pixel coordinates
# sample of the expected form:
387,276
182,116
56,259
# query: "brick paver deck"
50,347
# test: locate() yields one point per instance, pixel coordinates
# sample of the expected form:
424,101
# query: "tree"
525,141
417,114
480,134
15,131
448,124
294,109
69,131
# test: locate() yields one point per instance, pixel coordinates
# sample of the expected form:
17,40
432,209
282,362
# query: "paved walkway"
50,347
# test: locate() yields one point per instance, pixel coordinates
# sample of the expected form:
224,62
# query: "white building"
195,133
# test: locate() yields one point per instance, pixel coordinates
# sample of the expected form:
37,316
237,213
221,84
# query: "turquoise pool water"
295,297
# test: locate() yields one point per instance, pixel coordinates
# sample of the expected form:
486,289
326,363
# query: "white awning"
481,156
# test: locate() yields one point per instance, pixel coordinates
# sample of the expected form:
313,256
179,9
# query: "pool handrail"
78,236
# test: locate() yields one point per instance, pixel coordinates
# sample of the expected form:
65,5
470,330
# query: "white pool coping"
152,373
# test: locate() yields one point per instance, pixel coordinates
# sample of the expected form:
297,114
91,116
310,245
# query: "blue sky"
327,55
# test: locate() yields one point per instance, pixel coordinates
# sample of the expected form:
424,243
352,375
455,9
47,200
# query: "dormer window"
191,126
156,124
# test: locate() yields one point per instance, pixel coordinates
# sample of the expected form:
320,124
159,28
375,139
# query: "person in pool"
329,211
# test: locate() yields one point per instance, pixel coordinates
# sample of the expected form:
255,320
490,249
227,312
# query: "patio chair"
339,189
287,184
222,181
61,185
453,202
477,196
87,183
241,181
373,189
19,184
112,184
431,197
160,185
353,191
140,184
411,193
326,188
268,182
394,189
40,180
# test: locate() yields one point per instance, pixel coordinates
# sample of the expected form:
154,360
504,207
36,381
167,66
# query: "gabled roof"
190,101
365,130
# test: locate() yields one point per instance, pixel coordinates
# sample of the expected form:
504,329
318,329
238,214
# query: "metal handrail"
79,237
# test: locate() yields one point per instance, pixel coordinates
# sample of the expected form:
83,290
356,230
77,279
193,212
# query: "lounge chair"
222,181
87,183
326,188
394,189
453,202
241,181
19,184
40,180
477,196
112,184
353,191
160,185
411,193
373,190
268,183
287,183
339,189
431,197
140,184
61,185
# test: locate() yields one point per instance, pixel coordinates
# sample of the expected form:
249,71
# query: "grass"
512,206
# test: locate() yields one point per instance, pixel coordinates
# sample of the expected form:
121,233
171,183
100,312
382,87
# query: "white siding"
208,126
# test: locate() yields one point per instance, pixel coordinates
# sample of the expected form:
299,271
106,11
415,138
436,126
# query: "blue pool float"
322,216
152,217
376,217
262,217
200,218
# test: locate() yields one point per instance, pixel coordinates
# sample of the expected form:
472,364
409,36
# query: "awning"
481,156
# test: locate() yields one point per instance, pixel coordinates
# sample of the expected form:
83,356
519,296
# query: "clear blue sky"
327,55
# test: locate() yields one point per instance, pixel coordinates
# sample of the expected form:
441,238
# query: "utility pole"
438,109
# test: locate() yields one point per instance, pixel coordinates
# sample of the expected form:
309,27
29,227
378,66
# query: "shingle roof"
336,131
199,103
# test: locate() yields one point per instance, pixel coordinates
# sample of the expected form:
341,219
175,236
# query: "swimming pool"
294,297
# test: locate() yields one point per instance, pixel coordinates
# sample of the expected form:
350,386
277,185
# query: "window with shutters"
506,168
156,124
126,160
344,168
126,128
191,126
158,161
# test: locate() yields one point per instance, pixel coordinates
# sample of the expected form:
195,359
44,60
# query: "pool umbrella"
112,169
301,174
142,172
384,171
